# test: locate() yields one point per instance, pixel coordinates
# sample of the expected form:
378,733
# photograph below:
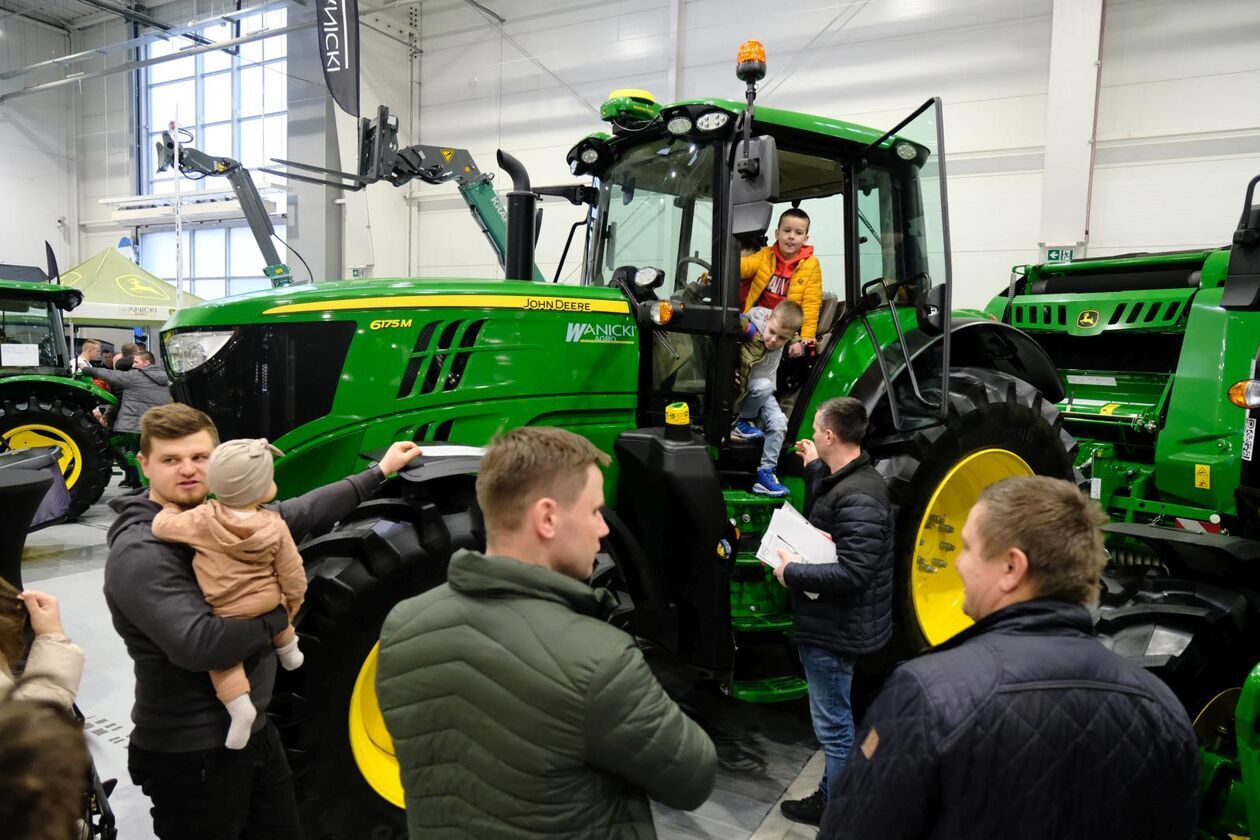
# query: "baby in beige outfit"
245,561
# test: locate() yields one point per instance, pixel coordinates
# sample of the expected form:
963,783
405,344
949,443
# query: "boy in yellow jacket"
786,270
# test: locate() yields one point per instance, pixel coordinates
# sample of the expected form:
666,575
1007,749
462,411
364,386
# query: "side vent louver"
439,364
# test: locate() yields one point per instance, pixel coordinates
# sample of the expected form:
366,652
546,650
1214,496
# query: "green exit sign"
1059,254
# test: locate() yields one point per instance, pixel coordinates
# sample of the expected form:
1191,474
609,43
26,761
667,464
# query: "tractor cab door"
899,280
653,236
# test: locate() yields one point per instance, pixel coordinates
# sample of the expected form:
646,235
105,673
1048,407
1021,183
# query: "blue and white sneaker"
768,484
745,430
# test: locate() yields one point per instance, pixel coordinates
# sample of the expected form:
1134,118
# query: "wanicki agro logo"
586,333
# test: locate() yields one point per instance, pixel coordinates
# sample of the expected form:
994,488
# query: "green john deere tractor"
1229,761
41,404
328,372
1156,355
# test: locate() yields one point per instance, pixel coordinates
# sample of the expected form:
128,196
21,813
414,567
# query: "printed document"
790,531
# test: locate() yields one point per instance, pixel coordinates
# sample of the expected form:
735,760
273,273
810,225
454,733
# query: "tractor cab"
41,404
32,338
680,190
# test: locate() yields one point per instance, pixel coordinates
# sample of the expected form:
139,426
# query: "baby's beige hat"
240,472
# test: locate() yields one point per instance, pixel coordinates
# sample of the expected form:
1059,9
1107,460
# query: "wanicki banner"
337,22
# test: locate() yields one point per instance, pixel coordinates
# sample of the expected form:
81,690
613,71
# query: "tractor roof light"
750,62
679,124
1245,393
590,155
711,121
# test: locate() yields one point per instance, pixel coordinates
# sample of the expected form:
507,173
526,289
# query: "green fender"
85,393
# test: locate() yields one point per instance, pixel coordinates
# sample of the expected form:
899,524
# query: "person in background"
198,788
140,388
31,630
1023,724
43,764
517,711
107,359
89,352
850,611
126,355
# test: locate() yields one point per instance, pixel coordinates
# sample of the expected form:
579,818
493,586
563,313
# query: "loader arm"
194,162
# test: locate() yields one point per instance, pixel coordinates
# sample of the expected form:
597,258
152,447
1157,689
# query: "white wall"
36,151
104,139
1179,122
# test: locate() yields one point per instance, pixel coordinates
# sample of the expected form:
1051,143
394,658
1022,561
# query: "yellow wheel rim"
369,739
36,434
936,590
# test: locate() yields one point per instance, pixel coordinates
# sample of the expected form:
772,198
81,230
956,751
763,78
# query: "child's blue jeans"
761,404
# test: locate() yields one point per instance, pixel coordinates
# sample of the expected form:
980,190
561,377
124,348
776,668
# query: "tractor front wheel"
327,711
36,421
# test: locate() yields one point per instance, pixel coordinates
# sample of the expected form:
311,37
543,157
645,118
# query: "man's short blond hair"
172,422
89,342
1055,525
528,464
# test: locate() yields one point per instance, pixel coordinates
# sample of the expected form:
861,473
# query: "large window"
217,261
235,106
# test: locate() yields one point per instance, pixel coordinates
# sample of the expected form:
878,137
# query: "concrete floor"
767,753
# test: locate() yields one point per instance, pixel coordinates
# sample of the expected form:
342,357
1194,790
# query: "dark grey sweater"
171,633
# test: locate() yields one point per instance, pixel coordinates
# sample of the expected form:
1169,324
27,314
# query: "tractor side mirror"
931,310
754,185
1242,284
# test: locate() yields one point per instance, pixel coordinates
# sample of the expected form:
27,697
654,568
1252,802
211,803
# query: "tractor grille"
440,356
1147,314
269,379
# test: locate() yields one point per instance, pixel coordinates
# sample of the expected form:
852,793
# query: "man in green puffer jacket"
516,710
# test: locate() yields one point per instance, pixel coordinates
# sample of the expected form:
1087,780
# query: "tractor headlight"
187,351
1246,393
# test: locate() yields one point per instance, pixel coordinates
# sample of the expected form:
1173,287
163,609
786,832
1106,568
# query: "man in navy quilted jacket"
1023,724
841,610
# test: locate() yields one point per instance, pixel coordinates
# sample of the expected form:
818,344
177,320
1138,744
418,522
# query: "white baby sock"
290,656
241,713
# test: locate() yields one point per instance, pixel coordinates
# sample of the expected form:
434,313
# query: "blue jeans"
830,677
760,403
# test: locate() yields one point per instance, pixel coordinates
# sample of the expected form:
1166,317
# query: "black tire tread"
77,423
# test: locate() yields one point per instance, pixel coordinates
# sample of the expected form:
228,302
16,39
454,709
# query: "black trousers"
220,794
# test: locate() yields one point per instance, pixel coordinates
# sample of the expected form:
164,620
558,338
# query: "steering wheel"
680,276
678,270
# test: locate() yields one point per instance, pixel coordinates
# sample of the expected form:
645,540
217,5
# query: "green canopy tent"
119,293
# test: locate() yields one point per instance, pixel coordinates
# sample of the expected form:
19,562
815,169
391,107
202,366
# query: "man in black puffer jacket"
1023,724
842,609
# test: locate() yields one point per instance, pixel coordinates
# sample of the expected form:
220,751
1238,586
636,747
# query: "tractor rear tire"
997,426
1191,634
46,420
387,551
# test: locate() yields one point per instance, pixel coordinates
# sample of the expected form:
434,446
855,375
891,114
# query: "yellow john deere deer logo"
1087,319
141,288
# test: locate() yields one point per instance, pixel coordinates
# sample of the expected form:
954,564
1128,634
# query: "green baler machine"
1157,354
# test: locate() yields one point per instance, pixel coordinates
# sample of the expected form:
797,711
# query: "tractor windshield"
655,209
30,334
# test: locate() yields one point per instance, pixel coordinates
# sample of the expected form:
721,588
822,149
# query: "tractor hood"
425,360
